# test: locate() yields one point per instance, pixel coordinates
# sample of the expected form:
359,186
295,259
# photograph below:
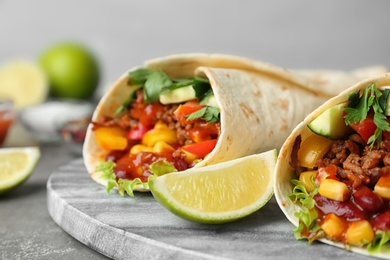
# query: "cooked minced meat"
356,162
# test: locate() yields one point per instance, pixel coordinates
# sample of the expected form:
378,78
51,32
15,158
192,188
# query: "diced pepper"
201,149
186,109
312,149
365,128
111,138
138,132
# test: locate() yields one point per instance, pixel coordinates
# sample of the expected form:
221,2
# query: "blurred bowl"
43,121
72,131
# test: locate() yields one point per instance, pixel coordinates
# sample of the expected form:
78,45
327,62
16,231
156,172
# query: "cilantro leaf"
197,83
205,97
154,84
359,108
209,114
127,102
140,76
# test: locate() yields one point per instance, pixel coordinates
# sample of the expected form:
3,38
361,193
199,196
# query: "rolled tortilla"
283,172
259,103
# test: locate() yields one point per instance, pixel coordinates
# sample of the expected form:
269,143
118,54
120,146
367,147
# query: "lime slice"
24,82
218,193
16,165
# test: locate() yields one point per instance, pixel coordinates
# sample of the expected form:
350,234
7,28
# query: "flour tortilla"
283,170
260,103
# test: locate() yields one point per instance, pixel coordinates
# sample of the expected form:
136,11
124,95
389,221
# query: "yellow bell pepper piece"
312,149
111,138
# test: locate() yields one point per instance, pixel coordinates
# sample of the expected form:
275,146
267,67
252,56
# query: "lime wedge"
16,165
218,193
24,82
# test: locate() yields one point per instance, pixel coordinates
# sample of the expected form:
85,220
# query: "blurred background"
293,34
109,37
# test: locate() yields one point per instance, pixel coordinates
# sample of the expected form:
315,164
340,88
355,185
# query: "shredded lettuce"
308,227
157,168
162,167
107,169
379,242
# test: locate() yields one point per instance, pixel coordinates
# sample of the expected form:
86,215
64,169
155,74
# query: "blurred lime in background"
24,82
72,69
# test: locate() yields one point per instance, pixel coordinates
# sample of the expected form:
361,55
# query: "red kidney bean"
381,221
344,209
367,199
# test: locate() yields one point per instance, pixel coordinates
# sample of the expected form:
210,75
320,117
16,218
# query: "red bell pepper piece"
201,149
365,129
138,132
186,109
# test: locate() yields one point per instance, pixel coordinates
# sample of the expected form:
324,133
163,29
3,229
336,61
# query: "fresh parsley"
360,106
209,114
156,82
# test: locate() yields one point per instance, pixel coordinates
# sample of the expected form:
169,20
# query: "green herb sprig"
209,114
359,107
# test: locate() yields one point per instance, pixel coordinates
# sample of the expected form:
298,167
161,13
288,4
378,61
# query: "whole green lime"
72,69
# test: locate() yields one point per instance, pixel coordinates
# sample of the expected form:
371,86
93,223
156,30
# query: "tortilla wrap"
259,103
283,171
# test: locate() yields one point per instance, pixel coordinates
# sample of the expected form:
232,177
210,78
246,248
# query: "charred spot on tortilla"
284,104
283,128
256,93
246,109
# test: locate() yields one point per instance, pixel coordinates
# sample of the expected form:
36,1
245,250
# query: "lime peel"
218,193
16,165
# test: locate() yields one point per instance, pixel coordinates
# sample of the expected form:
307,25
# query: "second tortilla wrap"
259,103
284,168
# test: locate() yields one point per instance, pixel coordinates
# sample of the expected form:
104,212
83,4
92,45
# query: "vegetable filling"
166,125
343,184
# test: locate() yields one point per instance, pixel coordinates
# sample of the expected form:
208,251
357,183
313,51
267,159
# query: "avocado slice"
178,95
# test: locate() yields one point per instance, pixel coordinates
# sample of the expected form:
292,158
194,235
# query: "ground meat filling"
356,161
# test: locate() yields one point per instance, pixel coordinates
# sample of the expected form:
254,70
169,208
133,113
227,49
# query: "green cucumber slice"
331,123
